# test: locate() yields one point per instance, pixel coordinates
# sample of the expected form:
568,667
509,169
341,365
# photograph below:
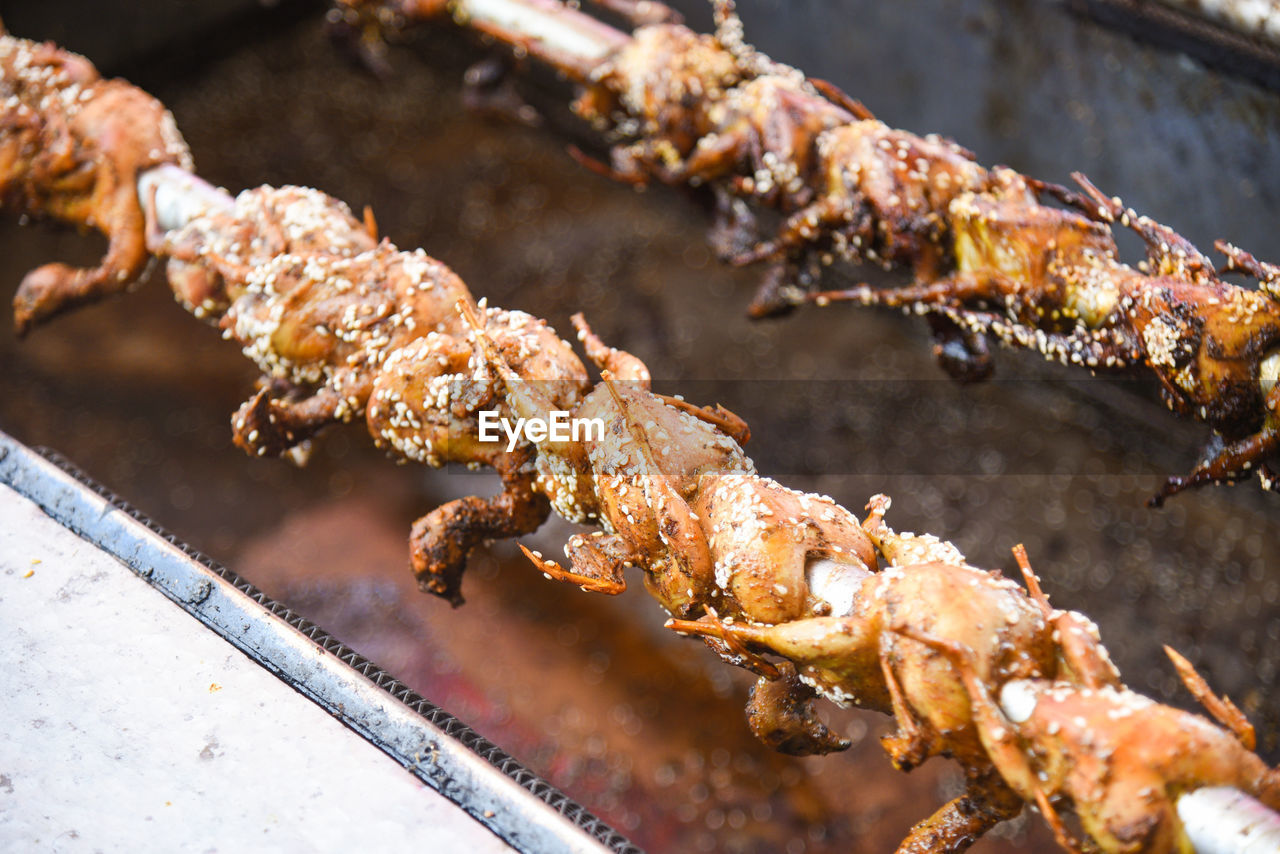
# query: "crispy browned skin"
71,148
964,819
1116,758
1214,347
675,496
781,714
345,327
934,642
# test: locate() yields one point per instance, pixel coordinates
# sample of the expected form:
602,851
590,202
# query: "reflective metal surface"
427,741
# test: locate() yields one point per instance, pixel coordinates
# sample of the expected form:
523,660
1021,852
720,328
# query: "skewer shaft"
177,196
566,39
1222,820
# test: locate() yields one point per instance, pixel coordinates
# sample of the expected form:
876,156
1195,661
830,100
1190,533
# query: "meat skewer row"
789,585
988,257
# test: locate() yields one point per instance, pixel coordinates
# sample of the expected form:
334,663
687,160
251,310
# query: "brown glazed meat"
344,327
1214,347
988,258
71,147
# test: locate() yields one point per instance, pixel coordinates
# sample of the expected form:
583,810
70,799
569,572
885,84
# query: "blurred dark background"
591,692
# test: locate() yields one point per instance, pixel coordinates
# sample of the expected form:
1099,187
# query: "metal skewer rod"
1222,820
564,38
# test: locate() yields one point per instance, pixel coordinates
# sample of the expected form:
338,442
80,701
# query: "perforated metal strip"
66,494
